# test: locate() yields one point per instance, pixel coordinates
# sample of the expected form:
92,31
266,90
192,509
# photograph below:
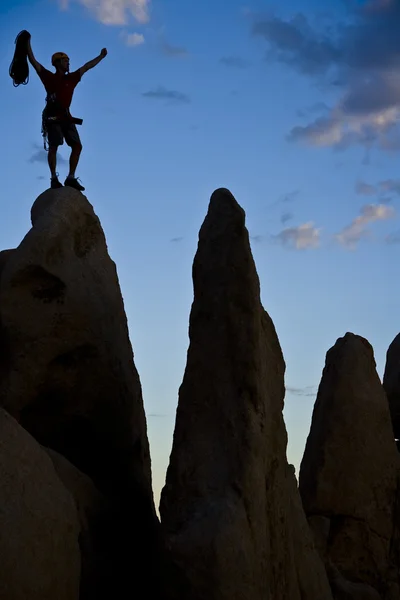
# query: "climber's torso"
60,87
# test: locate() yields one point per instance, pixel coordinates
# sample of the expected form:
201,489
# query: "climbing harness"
53,112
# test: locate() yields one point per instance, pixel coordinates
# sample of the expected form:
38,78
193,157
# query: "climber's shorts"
58,132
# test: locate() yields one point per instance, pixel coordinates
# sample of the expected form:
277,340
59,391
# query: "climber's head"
60,61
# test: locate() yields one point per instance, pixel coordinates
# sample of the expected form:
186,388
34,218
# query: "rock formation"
39,522
391,383
92,509
67,373
231,516
349,472
4,256
77,519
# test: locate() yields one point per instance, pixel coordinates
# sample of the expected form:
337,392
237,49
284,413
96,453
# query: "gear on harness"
53,112
19,68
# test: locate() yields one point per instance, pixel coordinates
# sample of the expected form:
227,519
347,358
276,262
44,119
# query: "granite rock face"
71,379
67,373
39,522
391,383
231,515
349,472
4,256
92,509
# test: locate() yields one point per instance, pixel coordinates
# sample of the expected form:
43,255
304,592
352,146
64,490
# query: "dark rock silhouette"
230,511
349,472
93,509
39,523
77,519
391,383
67,372
4,256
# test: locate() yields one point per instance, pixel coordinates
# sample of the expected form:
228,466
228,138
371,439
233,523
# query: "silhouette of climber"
58,123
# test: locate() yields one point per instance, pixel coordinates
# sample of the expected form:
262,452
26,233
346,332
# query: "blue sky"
294,109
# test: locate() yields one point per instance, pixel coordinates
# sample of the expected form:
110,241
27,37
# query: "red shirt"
62,86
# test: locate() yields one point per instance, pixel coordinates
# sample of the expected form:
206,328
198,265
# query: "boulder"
231,515
39,522
350,466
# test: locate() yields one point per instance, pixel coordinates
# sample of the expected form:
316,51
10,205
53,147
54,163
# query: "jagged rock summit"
230,510
350,470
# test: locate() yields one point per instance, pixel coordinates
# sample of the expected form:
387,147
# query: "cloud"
114,12
309,391
176,239
301,238
40,156
257,238
360,57
317,107
289,196
293,42
357,230
171,96
133,39
286,198
390,185
365,40
393,238
235,62
341,129
173,51
285,217
365,189
387,185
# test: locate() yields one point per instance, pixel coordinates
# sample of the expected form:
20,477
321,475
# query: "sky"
294,108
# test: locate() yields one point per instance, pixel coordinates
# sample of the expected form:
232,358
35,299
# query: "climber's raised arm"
94,62
35,64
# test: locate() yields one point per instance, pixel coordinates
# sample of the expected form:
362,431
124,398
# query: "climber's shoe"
55,183
74,183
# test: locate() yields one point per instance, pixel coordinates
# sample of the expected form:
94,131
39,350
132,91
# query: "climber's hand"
103,53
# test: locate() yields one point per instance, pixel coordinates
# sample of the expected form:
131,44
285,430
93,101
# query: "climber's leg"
73,140
52,160
76,150
55,139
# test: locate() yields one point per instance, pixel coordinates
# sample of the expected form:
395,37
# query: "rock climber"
57,123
